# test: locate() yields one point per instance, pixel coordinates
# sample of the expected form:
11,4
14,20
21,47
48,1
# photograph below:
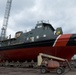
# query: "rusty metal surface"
27,71
53,64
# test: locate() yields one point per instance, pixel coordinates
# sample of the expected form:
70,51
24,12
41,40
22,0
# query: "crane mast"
5,21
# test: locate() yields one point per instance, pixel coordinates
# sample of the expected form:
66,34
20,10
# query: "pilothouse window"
46,28
40,26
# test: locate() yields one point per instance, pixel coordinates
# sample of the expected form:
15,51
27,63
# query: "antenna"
5,21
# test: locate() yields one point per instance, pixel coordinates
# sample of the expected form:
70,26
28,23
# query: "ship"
41,39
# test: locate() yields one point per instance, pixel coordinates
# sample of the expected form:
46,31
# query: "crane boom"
5,21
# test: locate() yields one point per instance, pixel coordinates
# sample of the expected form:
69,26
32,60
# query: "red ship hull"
63,47
32,53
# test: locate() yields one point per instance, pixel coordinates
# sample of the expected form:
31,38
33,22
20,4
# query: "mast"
5,21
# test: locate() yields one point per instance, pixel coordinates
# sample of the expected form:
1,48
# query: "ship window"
27,38
40,26
32,39
46,28
44,35
9,43
37,37
30,32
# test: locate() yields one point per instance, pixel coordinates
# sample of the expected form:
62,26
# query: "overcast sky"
25,14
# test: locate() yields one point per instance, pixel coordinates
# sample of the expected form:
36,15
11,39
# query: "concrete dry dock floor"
29,71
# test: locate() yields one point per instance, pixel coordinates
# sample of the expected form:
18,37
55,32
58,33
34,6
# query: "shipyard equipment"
49,63
5,21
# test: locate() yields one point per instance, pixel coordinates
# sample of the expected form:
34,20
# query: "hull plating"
63,46
32,53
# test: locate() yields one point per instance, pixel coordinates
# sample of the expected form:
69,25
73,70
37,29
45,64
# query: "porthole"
27,38
37,37
44,35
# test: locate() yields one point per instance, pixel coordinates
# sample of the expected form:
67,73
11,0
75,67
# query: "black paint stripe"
29,45
72,40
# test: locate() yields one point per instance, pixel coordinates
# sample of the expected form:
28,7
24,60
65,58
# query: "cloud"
25,14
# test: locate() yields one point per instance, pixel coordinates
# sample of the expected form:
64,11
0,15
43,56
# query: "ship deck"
29,71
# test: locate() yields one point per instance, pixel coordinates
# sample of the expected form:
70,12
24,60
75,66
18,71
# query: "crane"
5,21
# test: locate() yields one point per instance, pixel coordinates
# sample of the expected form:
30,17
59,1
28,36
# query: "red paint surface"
32,53
59,50
63,40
